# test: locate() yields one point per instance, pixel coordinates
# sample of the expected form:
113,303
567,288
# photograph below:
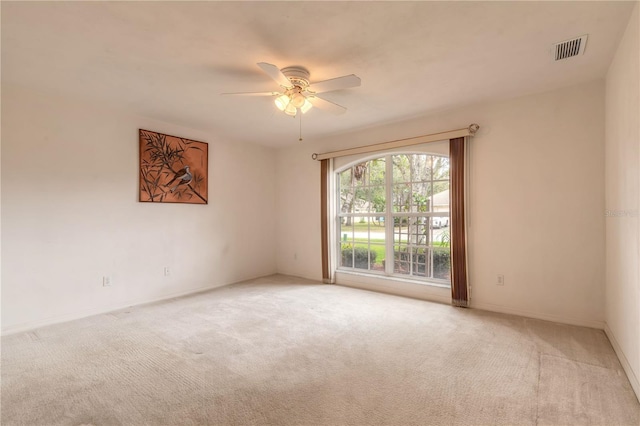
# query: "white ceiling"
170,61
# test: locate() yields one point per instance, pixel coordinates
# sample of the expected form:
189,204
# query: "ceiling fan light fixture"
306,106
282,102
290,110
298,99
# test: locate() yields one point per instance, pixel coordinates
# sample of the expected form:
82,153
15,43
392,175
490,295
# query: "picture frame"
173,169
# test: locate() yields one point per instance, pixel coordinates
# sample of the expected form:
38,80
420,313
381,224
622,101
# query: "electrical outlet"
500,280
167,271
106,281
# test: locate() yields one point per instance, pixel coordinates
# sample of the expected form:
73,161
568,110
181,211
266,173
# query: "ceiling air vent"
569,48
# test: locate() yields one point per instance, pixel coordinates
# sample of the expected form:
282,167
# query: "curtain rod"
434,137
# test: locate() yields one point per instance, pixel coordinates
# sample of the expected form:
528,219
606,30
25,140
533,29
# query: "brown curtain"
459,293
324,223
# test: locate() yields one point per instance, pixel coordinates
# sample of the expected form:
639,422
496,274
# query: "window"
393,217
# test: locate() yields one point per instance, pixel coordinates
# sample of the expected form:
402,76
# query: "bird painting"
172,169
182,177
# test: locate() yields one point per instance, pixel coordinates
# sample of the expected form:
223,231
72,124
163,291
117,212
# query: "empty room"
320,213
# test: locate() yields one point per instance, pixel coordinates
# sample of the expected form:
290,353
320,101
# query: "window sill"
407,280
396,286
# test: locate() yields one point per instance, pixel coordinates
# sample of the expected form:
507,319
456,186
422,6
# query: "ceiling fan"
298,93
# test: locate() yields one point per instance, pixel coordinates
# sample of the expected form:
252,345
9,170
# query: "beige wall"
622,201
536,203
71,215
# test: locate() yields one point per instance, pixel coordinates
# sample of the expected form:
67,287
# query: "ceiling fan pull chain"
300,140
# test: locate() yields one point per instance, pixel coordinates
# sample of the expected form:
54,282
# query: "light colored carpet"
284,351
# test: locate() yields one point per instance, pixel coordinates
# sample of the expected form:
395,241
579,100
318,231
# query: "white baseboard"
30,325
435,294
633,379
303,276
528,314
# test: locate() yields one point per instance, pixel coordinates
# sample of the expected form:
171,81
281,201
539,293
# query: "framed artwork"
173,169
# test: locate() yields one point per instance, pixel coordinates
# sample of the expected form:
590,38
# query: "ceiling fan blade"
337,83
275,73
253,94
326,105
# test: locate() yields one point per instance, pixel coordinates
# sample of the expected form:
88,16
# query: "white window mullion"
388,218
337,223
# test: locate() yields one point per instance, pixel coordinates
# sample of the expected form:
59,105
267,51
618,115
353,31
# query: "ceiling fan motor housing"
298,76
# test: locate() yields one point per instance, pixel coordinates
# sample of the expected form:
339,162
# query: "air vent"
569,48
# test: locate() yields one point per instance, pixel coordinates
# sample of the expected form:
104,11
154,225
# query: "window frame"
389,216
